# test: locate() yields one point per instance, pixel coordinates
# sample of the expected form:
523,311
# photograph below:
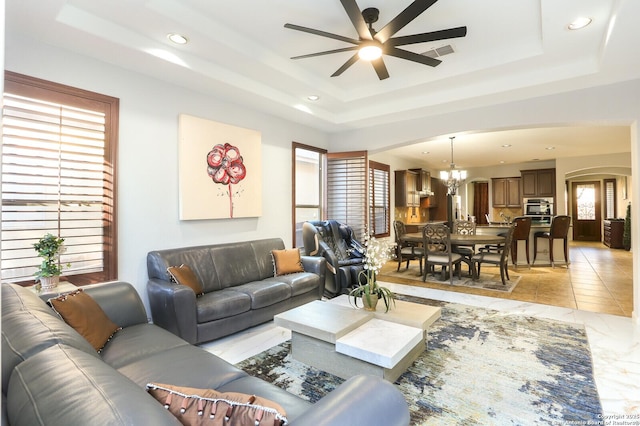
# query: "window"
610,199
307,187
347,188
58,176
379,199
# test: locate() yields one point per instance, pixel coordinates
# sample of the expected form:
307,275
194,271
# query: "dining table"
458,239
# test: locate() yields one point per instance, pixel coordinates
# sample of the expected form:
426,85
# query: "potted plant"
49,249
626,233
377,253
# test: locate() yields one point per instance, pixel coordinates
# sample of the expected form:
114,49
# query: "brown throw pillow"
193,406
84,314
286,262
184,275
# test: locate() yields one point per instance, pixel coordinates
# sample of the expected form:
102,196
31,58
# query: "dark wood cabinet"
506,192
423,183
613,231
406,189
437,203
538,183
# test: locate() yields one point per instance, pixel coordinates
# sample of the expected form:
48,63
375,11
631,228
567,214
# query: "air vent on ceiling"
440,51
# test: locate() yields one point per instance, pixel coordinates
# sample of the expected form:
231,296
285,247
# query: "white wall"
147,159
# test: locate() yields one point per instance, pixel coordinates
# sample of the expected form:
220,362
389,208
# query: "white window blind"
610,198
379,202
347,190
56,178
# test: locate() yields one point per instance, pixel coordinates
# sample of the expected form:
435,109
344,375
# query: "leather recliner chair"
337,243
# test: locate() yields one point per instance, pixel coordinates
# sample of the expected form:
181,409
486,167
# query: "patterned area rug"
482,367
489,277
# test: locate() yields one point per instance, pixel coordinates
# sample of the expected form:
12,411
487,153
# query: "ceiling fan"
372,44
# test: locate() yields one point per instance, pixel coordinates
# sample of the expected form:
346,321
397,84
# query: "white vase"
49,283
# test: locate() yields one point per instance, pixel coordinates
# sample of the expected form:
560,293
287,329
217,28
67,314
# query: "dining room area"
596,279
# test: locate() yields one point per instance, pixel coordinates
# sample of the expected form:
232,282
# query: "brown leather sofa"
240,290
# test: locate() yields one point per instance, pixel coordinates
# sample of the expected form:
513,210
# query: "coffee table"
335,337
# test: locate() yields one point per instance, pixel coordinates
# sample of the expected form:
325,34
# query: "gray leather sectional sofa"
52,376
240,290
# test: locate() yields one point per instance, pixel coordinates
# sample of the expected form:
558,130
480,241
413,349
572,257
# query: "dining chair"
522,226
495,255
559,230
436,241
405,250
464,227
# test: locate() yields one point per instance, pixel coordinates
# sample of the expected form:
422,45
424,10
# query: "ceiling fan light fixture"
370,52
579,23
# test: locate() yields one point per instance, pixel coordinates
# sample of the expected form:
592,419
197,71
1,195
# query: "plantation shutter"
347,189
379,199
57,177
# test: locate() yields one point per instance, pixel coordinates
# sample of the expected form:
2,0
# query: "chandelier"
453,177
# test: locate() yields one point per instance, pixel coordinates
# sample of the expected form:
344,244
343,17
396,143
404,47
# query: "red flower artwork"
225,166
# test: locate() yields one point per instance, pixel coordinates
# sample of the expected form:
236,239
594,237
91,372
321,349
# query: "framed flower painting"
220,170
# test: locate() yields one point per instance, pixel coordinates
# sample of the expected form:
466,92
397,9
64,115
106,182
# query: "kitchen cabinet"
506,192
406,189
613,231
538,183
423,184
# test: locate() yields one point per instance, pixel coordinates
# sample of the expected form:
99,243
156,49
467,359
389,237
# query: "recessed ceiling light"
501,161
580,22
506,145
177,38
550,148
313,97
425,152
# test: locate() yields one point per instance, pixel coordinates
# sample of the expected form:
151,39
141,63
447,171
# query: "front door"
586,211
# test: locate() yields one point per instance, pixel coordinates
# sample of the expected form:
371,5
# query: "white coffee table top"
322,320
407,313
380,342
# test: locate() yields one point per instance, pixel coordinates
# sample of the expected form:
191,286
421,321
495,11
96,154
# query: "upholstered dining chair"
406,251
559,230
436,241
464,227
495,255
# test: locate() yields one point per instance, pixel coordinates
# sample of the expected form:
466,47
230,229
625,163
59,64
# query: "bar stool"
522,226
559,230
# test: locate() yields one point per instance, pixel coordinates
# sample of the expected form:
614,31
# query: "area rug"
482,367
489,278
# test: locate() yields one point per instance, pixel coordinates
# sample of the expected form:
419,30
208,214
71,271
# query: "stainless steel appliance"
541,210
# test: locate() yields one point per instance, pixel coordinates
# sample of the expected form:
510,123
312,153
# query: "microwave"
538,207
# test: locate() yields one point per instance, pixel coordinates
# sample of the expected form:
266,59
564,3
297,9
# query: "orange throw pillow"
81,312
184,275
286,262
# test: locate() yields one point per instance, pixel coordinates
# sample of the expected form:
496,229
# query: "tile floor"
598,279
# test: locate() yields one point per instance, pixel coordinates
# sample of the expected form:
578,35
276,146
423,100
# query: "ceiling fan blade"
352,9
410,56
381,68
322,33
427,37
346,65
399,22
326,52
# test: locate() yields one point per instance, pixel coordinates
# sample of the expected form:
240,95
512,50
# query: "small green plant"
49,249
377,253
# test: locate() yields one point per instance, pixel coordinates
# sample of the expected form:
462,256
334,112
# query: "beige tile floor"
598,279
